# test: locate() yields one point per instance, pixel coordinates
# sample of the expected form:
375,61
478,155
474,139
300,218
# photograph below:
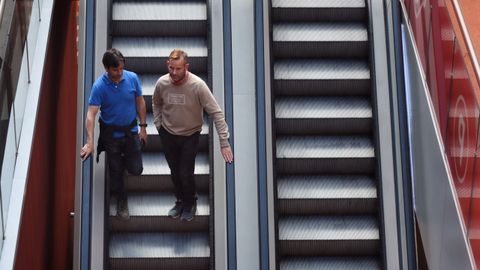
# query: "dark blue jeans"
180,152
123,154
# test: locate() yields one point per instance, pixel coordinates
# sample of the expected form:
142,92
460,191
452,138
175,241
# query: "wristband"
143,125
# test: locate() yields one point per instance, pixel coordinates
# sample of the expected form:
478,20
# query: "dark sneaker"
189,212
176,210
122,209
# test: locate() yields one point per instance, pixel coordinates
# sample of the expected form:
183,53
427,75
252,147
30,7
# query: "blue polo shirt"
117,101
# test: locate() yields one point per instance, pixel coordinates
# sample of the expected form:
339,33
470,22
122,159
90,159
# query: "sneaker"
122,209
189,212
176,210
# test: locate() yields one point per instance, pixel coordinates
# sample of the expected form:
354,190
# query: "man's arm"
157,107
142,112
87,149
215,112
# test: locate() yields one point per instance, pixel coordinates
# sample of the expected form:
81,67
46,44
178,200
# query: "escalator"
327,205
146,32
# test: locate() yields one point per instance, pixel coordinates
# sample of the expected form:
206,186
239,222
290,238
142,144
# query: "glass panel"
462,132
11,65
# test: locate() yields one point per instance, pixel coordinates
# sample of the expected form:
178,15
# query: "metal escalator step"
305,10
142,251
148,87
325,155
149,212
155,144
328,236
329,263
322,115
149,54
163,18
320,40
326,195
321,77
156,174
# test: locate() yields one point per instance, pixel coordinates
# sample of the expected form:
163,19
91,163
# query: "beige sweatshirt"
179,108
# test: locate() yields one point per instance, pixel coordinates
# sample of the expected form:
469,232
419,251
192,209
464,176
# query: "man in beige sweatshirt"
179,99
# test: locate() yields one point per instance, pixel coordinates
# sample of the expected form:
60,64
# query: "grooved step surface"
322,107
156,164
159,245
157,204
326,187
328,228
324,147
160,46
321,70
159,11
319,32
318,4
328,263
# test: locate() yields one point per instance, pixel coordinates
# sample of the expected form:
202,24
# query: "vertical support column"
98,177
244,129
215,17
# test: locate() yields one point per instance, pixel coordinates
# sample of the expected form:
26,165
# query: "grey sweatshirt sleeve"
211,106
157,106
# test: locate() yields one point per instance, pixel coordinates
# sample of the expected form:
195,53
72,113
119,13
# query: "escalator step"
149,54
326,195
328,263
328,236
320,40
142,18
142,251
323,115
321,77
156,174
149,212
305,10
325,154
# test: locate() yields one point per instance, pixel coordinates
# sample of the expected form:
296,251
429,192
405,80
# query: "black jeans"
180,152
123,153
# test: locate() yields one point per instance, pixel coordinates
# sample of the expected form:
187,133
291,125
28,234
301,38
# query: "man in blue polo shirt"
117,94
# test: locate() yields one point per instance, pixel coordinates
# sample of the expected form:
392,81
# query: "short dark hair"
112,58
178,54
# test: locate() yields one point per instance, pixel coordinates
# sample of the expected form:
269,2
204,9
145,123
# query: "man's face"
177,69
115,73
